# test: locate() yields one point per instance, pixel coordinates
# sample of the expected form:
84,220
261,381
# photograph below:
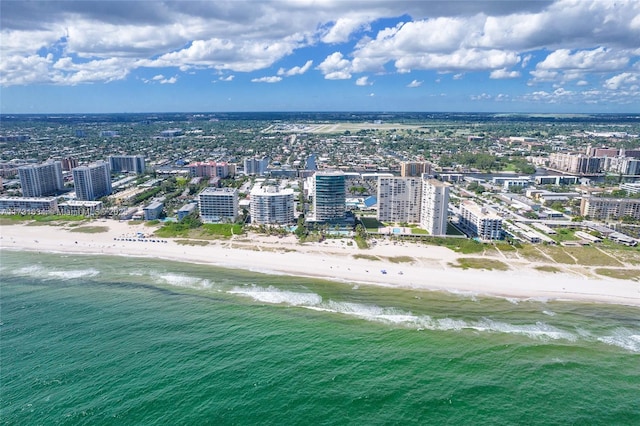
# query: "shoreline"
430,267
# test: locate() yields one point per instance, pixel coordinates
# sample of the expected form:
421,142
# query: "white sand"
334,259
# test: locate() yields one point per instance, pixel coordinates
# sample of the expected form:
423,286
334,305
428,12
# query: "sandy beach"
431,267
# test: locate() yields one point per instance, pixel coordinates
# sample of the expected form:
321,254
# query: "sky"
560,56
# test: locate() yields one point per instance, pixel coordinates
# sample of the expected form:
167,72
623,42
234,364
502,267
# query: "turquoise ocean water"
104,340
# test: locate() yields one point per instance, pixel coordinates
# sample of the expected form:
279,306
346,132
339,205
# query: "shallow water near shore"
97,339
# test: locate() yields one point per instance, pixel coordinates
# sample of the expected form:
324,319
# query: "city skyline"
560,56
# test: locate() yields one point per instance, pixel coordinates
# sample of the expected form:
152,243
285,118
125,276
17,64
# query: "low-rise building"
153,210
186,210
11,205
80,208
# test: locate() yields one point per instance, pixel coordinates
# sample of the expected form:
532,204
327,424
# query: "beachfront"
422,267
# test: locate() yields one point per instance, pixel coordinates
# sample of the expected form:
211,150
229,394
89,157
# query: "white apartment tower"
256,166
41,179
93,181
270,205
434,207
218,204
479,222
399,199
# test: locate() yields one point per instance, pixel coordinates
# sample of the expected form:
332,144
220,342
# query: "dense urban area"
572,180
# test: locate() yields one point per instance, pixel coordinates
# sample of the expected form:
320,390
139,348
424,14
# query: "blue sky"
564,56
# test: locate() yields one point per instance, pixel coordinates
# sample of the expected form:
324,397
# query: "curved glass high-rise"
329,198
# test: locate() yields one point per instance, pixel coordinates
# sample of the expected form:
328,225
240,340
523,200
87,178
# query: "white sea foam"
464,294
538,330
179,280
38,271
277,296
623,338
74,274
550,313
389,315
31,271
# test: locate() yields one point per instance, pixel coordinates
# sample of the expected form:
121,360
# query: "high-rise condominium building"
434,206
218,204
93,181
41,179
256,166
127,163
329,196
270,205
209,169
479,222
399,199
414,169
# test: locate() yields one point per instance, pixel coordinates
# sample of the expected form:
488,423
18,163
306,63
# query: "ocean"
114,340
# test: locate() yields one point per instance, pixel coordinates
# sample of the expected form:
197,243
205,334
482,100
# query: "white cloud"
272,79
296,70
343,28
481,97
415,83
19,70
335,67
503,73
363,81
583,36
170,80
600,59
458,76
230,77
463,59
624,79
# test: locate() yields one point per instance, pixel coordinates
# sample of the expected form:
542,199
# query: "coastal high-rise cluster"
413,200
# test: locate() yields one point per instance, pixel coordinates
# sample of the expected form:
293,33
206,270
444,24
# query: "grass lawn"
207,231
480,263
621,274
400,259
564,234
558,254
36,220
192,242
459,245
592,256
